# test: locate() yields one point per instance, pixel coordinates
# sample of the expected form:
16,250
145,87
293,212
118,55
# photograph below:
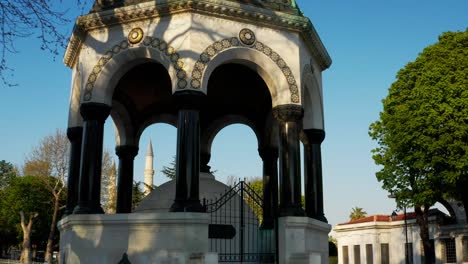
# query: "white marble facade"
379,239
287,52
190,39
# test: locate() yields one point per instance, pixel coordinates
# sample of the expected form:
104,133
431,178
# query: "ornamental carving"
135,35
288,113
247,36
218,46
154,43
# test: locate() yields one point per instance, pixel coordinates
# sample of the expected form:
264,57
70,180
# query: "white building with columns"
381,239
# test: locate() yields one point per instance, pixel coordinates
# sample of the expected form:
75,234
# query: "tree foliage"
7,173
49,163
137,194
111,191
422,131
30,195
170,170
357,213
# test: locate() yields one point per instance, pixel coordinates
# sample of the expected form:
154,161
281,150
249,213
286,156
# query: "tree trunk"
50,240
422,218
26,257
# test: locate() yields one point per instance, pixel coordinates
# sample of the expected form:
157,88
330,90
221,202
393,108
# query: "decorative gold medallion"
247,36
135,35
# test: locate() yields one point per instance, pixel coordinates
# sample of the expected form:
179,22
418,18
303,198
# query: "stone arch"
258,56
209,134
124,130
122,57
312,99
74,116
156,119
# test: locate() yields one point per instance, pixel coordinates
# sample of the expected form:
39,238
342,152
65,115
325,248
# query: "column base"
321,218
187,206
87,209
302,240
139,238
67,212
267,224
291,210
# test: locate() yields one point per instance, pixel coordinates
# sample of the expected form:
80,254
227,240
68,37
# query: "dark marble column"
94,115
204,160
188,152
126,156
75,136
288,117
313,174
270,186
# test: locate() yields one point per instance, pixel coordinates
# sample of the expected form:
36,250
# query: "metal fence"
235,228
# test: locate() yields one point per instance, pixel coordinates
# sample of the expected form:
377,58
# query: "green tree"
7,173
357,213
137,194
170,170
26,210
422,130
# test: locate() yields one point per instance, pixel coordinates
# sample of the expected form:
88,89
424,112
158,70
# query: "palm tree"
357,213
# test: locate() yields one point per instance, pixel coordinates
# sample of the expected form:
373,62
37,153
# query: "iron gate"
235,230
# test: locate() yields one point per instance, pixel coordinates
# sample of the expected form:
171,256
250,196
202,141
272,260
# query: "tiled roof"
381,218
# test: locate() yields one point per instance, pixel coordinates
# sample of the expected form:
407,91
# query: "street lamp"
394,217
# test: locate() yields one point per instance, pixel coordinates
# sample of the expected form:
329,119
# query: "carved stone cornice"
315,136
288,113
126,151
219,8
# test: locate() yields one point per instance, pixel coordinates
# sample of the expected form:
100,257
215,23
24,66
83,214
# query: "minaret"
149,172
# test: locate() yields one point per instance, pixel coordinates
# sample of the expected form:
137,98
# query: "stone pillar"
75,135
459,248
270,186
126,156
438,245
94,116
288,117
188,152
313,174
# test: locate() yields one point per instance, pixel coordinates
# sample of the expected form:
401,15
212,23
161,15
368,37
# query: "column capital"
126,151
268,153
95,111
189,100
315,136
74,133
288,113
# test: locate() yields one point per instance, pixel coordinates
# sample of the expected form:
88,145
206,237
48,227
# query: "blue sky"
369,41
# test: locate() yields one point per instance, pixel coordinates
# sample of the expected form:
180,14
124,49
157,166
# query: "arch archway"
312,99
259,57
122,57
